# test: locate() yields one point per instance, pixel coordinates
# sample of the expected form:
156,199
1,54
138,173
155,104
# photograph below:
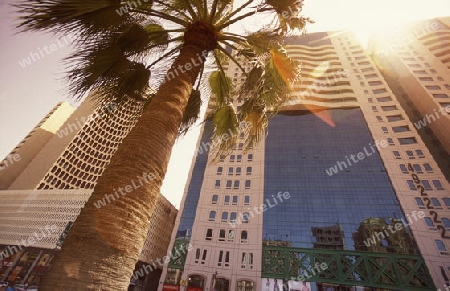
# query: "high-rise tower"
341,193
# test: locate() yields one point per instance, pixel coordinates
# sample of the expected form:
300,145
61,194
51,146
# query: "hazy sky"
28,93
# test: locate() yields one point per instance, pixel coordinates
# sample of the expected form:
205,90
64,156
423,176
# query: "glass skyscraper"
342,194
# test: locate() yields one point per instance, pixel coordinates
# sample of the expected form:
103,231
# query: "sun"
365,17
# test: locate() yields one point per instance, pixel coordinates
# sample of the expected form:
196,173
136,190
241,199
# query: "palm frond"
253,114
192,111
226,129
67,16
262,40
220,85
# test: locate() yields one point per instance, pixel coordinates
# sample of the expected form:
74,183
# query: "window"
248,183
446,201
440,245
446,222
411,184
433,71
429,223
420,154
433,87
228,185
217,184
238,158
219,170
393,118
209,234
244,236
240,146
235,199
375,83
222,234
226,200
245,285
236,184
419,72
215,199
230,236
249,170
419,202
442,95
370,76
212,215
247,261
224,216
245,217
425,78
233,216
374,109
197,255
417,168
436,203
407,140
396,154
232,158
390,141
379,118
238,171
403,128
233,147
403,169
385,129
426,185
414,65
361,84
438,184
389,108
428,168
230,171
222,158
379,91
250,157
384,99
246,200
410,154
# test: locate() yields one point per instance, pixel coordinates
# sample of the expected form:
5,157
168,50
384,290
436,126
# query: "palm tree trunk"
104,244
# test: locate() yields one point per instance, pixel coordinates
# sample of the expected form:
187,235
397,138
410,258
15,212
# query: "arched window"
222,284
196,281
244,285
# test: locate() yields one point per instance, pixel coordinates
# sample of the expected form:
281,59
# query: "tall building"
48,177
342,194
415,61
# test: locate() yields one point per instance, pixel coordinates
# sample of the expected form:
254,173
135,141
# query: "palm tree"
121,46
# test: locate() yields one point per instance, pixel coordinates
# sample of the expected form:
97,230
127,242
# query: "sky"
29,91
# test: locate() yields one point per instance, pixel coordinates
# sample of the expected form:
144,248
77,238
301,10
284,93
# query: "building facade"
48,177
342,194
415,61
